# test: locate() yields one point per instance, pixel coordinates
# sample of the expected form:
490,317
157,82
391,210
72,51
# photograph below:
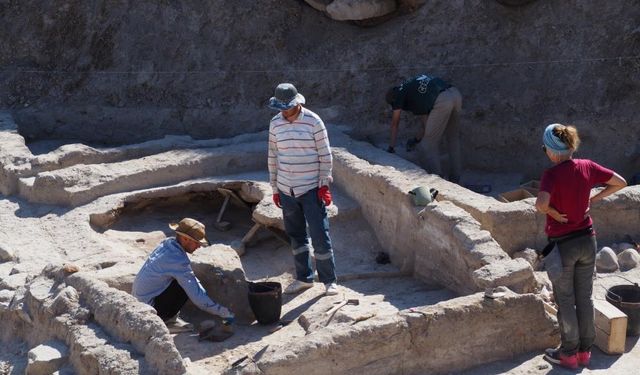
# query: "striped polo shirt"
299,154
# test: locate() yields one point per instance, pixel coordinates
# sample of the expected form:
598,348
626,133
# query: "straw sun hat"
192,229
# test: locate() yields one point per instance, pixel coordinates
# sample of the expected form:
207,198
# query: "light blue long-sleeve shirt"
168,262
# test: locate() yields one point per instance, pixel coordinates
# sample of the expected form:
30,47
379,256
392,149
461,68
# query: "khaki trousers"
443,120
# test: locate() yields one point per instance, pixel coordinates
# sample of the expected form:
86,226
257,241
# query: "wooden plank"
234,197
609,344
607,316
611,327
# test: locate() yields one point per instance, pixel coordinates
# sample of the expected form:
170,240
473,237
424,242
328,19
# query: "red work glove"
276,200
324,195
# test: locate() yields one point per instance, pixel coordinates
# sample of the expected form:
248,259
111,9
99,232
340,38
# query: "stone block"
64,302
14,281
6,296
516,274
46,358
41,289
220,271
530,255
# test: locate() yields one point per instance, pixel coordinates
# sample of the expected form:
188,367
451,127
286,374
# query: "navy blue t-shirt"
418,94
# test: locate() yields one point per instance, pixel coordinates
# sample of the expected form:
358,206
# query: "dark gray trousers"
570,267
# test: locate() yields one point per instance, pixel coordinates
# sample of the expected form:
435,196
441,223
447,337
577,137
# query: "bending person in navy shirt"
438,104
166,279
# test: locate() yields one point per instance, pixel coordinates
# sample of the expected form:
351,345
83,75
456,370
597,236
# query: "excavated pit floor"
143,225
140,228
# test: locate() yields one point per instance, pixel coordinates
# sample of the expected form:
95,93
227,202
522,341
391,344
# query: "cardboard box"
532,187
611,327
515,195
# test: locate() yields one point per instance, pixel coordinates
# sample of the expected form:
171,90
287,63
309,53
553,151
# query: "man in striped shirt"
300,172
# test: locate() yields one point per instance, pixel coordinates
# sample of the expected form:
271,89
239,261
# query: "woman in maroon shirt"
565,197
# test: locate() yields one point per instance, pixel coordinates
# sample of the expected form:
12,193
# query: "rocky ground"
601,363
40,234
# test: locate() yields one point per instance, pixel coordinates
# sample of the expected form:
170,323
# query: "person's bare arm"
615,183
542,205
395,122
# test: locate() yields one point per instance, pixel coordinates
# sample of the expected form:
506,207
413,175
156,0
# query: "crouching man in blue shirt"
166,279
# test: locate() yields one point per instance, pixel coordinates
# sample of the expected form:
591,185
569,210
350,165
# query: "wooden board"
234,197
611,327
514,195
532,187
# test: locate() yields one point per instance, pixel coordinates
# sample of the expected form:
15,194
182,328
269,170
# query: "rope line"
619,59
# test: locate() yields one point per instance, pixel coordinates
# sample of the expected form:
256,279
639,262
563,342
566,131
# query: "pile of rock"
619,256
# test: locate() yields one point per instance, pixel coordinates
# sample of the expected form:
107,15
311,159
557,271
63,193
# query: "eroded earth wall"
125,71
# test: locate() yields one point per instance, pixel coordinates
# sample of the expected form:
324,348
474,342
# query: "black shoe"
411,144
555,356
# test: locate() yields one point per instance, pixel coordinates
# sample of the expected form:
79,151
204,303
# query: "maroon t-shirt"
569,184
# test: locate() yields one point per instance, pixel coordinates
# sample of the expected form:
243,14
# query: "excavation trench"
381,289
443,256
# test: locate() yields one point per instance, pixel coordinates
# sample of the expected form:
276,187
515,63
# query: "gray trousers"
444,119
570,267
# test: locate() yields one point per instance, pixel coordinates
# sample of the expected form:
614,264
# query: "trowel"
213,331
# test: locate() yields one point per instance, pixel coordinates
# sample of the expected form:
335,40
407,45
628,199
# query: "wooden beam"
611,327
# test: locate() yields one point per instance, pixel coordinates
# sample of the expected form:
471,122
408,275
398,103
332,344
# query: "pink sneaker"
584,358
566,361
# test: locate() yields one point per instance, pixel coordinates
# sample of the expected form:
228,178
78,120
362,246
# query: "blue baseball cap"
286,97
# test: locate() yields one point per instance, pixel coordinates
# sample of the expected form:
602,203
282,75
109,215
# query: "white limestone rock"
220,271
516,274
14,281
345,10
120,276
46,358
628,259
41,289
542,278
606,260
65,302
18,306
530,255
6,296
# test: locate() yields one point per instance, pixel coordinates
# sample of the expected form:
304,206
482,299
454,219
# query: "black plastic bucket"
265,299
627,299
